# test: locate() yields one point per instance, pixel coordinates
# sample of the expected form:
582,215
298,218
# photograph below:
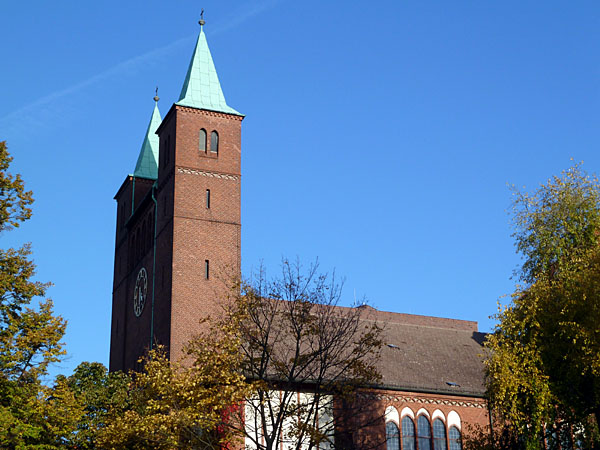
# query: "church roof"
147,163
428,354
201,88
421,354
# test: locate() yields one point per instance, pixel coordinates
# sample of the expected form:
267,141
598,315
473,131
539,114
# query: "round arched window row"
428,434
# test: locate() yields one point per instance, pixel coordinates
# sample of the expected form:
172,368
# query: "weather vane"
156,95
201,21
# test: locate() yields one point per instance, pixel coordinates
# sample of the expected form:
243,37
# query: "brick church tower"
178,219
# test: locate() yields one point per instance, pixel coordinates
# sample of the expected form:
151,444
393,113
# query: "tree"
100,394
31,414
15,201
543,366
306,358
557,225
173,405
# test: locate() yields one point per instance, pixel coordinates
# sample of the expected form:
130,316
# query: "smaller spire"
156,97
147,163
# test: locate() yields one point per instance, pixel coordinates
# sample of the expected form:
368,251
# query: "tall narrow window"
392,438
130,253
424,433
137,245
439,435
454,438
202,140
408,434
143,239
166,151
206,269
208,199
214,142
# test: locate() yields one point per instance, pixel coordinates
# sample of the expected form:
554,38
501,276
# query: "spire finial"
201,21
156,98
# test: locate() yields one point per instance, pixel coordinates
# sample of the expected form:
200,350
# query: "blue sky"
380,138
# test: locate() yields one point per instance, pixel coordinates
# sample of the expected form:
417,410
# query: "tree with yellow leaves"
543,365
32,415
185,404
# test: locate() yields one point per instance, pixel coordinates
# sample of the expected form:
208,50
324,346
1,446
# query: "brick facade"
471,411
189,232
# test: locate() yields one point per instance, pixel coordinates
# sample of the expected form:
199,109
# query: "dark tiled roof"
430,354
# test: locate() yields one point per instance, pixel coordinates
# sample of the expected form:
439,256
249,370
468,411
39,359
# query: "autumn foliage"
543,365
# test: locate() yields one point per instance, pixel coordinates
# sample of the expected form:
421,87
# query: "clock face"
139,292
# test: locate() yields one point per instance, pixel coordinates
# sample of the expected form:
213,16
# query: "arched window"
392,436
424,433
454,439
214,142
439,435
202,140
408,434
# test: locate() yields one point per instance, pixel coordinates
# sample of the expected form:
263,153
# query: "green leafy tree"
101,395
31,414
556,225
543,365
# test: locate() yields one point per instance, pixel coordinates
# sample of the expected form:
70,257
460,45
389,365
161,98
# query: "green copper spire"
201,88
147,163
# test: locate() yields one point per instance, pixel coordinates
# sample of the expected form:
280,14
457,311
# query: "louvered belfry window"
214,142
202,140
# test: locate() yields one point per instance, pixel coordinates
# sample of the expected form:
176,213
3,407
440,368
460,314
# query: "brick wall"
200,233
188,233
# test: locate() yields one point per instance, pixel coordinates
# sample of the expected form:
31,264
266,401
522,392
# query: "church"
179,219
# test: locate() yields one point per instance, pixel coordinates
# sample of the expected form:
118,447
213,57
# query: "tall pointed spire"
201,88
147,163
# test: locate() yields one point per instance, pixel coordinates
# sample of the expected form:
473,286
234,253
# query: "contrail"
39,112
131,65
